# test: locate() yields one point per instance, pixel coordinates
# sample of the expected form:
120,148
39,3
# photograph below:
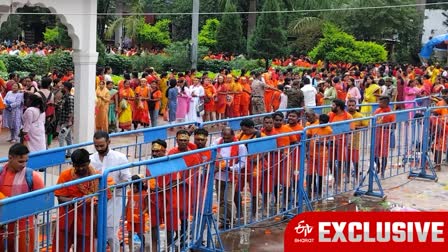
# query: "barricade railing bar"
195,207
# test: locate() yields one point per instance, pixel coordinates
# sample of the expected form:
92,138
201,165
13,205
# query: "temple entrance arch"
79,16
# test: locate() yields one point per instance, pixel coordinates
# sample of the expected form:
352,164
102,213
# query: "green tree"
269,38
57,36
230,34
11,28
306,40
104,6
157,35
401,24
338,46
130,23
207,35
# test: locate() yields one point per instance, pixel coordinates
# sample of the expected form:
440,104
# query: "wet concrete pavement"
402,194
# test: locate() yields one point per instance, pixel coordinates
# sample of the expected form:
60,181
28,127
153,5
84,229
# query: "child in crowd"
136,210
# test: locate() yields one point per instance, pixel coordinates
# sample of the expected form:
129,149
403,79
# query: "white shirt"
309,94
112,159
226,154
283,101
107,78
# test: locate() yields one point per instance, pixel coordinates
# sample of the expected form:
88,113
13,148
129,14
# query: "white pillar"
119,29
85,72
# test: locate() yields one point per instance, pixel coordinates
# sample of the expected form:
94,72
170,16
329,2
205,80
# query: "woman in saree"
371,92
141,115
102,107
410,93
221,104
127,98
113,107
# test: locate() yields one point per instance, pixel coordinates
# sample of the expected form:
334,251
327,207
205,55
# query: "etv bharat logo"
304,230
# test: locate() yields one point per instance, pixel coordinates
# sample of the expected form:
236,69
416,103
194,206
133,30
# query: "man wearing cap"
85,233
65,116
187,189
102,160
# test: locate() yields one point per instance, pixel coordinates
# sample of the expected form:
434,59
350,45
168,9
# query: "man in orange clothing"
245,96
354,142
338,114
319,154
236,89
163,198
382,138
295,125
188,189
13,181
251,173
282,158
65,235
439,127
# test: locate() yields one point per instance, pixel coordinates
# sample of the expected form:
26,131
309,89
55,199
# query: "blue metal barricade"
188,203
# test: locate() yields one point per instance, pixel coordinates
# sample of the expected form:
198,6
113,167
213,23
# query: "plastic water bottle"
136,242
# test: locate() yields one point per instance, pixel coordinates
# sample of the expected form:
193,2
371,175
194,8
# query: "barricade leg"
426,162
372,175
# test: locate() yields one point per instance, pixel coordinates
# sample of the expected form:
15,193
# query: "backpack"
28,177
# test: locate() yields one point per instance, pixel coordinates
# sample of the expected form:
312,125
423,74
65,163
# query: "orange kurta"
102,109
268,93
221,104
84,213
141,112
210,93
188,189
253,168
245,98
236,89
382,137
283,164
136,212
25,232
319,151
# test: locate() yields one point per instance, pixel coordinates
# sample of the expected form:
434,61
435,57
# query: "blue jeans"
65,138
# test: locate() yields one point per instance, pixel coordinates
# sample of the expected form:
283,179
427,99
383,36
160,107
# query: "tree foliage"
306,40
338,46
269,38
11,28
157,35
207,35
230,33
57,36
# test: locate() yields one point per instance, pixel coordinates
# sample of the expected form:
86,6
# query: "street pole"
194,34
